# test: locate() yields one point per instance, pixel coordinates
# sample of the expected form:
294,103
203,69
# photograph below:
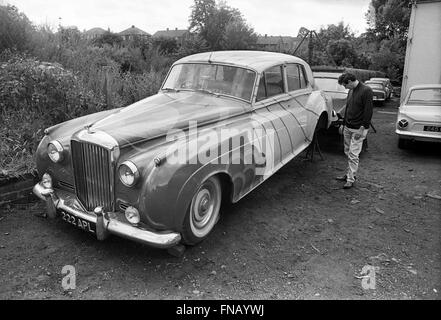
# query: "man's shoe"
348,185
341,178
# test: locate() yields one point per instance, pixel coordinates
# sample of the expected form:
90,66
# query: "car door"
299,116
269,111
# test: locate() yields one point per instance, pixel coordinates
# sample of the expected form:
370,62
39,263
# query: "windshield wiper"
170,89
208,91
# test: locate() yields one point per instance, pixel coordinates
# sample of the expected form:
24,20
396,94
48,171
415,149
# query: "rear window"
425,96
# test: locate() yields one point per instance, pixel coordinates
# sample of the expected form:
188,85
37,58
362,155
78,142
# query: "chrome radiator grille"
93,175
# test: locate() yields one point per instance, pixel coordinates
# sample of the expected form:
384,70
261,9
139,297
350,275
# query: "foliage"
166,46
221,26
35,95
15,29
389,19
389,23
108,38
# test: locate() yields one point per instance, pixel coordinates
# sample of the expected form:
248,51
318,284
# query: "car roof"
426,86
332,75
383,79
257,60
373,81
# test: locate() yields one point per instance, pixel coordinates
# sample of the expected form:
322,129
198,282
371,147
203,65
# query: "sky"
271,17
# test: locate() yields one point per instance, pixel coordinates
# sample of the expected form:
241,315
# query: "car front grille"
93,175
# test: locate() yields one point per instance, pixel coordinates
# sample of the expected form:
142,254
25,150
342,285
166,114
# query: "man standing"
358,115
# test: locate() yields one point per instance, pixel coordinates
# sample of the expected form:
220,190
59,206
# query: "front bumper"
106,222
418,136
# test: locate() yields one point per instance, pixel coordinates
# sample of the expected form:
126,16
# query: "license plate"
78,222
432,128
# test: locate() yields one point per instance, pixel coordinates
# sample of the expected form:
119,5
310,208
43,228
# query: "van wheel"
203,212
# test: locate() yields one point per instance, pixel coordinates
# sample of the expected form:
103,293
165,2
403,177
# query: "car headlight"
55,151
128,173
132,215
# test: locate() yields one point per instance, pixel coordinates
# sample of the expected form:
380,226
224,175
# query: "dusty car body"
419,116
380,92
328,82
157,171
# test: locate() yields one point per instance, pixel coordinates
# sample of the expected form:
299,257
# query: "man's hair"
345,78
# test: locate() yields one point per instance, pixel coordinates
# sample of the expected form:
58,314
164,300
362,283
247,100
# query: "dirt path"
298,236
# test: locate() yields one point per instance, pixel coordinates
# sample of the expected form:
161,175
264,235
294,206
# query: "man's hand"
360,133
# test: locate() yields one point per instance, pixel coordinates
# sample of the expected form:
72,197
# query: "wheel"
203,212
403,143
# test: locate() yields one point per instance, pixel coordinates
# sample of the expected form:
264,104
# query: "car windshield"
211,79
329,84
425,96
375,85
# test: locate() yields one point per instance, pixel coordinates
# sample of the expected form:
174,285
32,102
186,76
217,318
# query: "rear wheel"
203,212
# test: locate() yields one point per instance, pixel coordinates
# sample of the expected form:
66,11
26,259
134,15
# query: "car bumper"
426,136
106,222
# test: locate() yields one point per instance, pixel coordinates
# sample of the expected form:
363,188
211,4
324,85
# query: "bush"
33,96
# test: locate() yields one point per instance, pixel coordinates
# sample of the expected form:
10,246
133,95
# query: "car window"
212,78
295,77
271,83
375,85
329,84
425,96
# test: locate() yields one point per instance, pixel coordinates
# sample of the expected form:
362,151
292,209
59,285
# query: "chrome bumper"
105,222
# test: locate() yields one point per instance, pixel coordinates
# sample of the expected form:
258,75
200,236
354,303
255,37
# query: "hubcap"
205,207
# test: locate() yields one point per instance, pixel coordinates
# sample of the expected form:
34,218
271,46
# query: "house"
133,33
277,43
94,33
178,34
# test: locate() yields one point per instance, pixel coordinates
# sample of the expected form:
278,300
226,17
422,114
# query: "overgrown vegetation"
47,77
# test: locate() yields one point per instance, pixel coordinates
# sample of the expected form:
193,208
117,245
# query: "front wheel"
203,212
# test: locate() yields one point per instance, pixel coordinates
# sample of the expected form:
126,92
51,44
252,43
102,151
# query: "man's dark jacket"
359,107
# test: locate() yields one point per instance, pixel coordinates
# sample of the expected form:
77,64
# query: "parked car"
379,90
419,116
158,170
387,84
328,82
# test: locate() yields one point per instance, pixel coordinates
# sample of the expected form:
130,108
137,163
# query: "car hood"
422,112
164,112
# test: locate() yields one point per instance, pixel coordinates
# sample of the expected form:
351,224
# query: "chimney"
133,26
266,35
176,29
167,29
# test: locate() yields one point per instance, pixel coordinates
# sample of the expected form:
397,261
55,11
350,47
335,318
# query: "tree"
388,27
238,36
389,19
217,24
343,52
15,29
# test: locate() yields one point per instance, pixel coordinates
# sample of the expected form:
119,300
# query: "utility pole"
314,40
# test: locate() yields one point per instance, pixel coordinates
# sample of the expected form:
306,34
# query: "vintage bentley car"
419,115
158,170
